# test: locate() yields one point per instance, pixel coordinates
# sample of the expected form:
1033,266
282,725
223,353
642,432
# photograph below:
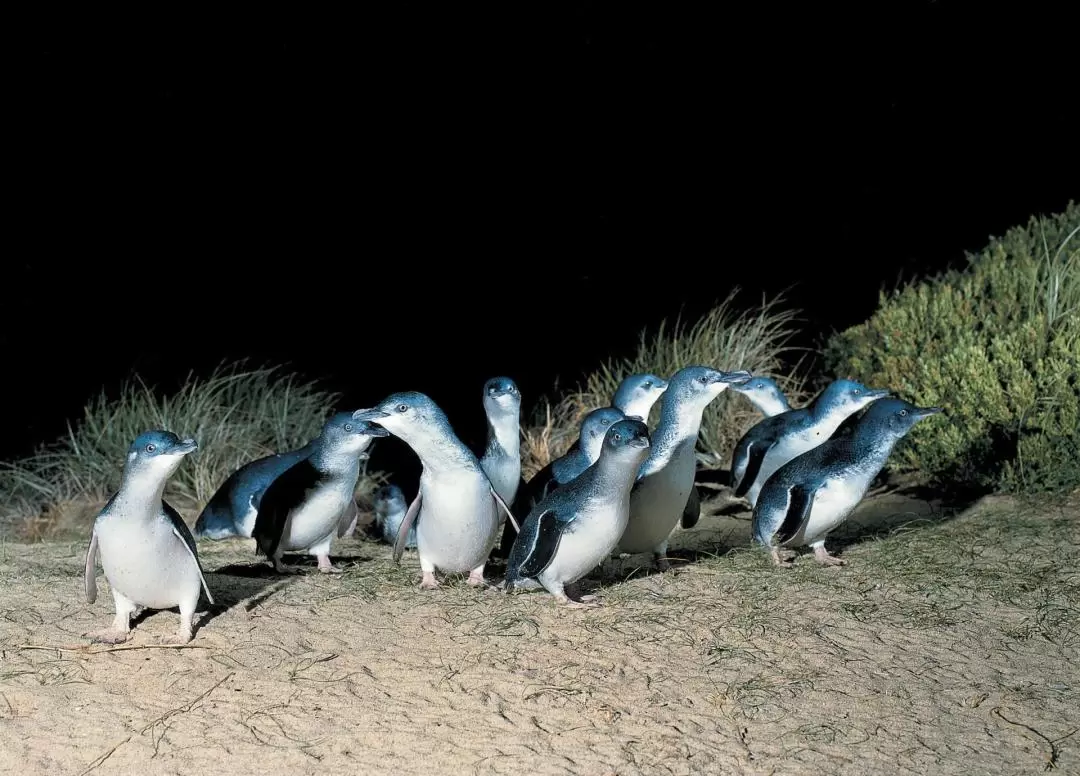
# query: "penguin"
562,470
457,509
765,395
666,478
501,461
390,509
775,440
306,504
232,509
769,400
637,393
574,528
814,492
147,551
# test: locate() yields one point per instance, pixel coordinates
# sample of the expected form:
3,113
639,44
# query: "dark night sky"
186,197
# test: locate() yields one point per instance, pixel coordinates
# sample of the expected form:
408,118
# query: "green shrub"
724,338
237,414
996,344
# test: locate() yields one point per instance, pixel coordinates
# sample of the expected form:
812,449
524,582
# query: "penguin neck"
638,406
589,448
144,492
504,438
442,455
771,404
611,476
335,463
872,446
676,434
827,416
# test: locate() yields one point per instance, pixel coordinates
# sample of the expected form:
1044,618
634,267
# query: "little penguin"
304,507
775,440
456,511
574,528
813,493
667,476
502,458
390,509
147,551
636,395
232,509
562,470
769,400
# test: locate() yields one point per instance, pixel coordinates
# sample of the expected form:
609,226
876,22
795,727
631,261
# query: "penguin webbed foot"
825,558
662,564
785,559
326,567
178,639
429,582
107,636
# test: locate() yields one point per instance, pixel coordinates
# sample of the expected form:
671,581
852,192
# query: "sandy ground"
948,644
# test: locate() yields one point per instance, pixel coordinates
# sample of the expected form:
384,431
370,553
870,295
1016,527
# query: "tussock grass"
237,414
756,339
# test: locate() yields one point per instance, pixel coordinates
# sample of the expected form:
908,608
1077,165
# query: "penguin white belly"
656,504
246,523
147,562
786,449
316,519
833,502
593,536
458,522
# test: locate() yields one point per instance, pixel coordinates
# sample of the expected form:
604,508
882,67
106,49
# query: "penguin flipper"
692,511
506,509
755,456
90,578
348,515
181,531
284,494
406,524
548,533
800,502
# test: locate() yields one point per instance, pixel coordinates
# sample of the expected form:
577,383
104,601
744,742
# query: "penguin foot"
570,603
477,580
107,636
281,568
177,639
783,560
429,582
326,567
662,564
826,559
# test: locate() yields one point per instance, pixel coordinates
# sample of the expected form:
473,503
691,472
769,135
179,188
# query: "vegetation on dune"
725,338
237,414
996,344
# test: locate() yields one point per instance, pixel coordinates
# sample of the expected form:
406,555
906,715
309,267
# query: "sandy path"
942,649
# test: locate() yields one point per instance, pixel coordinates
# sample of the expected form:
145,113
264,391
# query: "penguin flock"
621,488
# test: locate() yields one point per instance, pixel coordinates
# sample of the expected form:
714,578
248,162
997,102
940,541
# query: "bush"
236,414
996,344
724,338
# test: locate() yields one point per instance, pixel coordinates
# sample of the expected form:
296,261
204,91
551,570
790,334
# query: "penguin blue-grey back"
456,511
147,552
576,526
667,476
813,493
304,506
775,440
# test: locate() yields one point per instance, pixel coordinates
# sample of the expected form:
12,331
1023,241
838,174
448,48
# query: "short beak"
376,431
639,442
187,446
733,378
925,412
877,393
372,415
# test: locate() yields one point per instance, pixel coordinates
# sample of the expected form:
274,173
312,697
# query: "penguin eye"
618,437
903,413
150,448
402,407
856,392
348,426
647,383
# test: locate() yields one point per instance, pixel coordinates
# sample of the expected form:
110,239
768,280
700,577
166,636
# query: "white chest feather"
145,560
786,449
315,519
833,502
657,503
458,521
593,536
504,471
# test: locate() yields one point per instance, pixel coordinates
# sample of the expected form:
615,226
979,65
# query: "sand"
948,644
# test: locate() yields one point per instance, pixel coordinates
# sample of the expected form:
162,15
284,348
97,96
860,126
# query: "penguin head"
699,385
344,434
761,389
502,397
893,417
639,392
160,452
387,500
627,438
847,396
408,415
594,429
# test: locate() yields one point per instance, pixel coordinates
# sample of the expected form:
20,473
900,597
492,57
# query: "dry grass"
945,646
237,414
726,338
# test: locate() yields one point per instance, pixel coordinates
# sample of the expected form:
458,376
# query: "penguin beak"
185,447
639,442
877,393
376,431
373,415
739,377
925,412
